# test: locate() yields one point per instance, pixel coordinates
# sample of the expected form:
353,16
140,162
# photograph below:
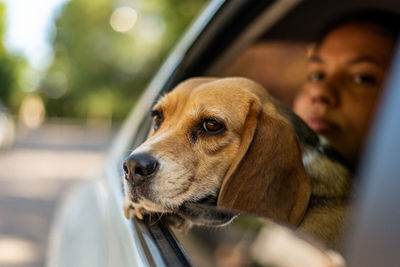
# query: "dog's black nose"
139,167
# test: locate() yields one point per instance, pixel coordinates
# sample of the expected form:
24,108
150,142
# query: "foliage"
8,65
94,64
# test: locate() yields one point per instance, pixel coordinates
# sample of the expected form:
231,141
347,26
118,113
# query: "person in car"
345,78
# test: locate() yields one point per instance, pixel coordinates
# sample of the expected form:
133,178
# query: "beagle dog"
223,146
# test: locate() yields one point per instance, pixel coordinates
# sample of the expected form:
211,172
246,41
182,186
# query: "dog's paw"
130,210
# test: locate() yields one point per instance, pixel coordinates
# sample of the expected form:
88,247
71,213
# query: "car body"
91,229
7,128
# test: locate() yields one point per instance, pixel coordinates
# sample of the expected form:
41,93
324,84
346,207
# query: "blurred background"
70,71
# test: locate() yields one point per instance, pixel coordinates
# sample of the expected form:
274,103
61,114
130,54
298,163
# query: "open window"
266,41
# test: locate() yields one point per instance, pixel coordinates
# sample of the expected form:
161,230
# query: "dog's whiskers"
159,217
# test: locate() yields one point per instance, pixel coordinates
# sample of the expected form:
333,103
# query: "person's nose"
326,92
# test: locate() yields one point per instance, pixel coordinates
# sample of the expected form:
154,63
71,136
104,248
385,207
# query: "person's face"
344,79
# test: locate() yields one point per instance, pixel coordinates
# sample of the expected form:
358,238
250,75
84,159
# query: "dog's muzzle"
139,168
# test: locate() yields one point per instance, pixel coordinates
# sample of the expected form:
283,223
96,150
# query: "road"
36,173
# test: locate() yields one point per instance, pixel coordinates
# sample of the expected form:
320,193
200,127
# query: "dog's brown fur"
267,161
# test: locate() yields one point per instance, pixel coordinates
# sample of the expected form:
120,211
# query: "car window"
278,65
254,241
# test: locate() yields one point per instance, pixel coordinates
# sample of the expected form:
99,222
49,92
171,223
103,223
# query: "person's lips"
321,125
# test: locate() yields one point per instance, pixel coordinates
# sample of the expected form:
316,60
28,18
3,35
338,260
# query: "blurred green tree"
98,71
8,65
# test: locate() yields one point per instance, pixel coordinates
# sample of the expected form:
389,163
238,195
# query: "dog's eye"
157,118
212,126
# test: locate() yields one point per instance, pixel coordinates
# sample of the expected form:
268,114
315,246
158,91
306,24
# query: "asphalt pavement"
36,172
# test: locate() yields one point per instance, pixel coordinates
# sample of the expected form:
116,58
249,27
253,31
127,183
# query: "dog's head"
219,141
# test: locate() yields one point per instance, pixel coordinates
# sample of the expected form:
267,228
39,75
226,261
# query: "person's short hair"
387,22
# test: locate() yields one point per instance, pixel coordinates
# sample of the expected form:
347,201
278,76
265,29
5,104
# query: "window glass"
252,241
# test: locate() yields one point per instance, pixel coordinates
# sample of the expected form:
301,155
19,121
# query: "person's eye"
158,118
315,76
212,126
365,79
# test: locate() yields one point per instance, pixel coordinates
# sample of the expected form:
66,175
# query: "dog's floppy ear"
267,177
